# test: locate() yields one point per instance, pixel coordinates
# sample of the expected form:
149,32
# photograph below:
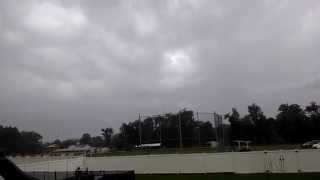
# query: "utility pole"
199,136
216,126
140,132
160,130
180,131
222,131
199,133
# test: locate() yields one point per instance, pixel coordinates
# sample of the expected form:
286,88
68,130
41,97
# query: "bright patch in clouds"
177,67
48,17
178,62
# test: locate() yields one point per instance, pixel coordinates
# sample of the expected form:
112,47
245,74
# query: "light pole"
199,136
160,130
198,121
140,136
180,131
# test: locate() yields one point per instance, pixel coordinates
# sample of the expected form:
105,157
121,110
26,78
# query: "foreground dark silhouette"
9,171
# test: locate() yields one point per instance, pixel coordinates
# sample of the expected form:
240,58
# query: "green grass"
275,147
188,150
134,152
302,176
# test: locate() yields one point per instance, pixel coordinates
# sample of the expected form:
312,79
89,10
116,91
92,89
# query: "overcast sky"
69,67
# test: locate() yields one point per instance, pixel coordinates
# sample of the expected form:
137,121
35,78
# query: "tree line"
292,124
155,129
23,142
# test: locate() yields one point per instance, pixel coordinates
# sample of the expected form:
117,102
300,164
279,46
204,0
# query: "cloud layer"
68,67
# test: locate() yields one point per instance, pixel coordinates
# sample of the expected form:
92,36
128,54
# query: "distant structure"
74,150
149,146
52,147
213,144
241,142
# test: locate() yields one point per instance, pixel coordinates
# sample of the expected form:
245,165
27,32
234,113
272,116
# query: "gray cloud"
68,67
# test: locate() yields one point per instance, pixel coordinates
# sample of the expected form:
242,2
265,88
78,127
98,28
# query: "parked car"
309,144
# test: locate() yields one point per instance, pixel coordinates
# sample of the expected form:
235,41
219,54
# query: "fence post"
233,154
298,160
48,166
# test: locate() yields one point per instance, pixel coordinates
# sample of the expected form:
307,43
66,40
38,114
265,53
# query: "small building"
52,147
150,146
101,150
74,151
243,142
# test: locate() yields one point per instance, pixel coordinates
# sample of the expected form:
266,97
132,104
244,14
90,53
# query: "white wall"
238,162
56,165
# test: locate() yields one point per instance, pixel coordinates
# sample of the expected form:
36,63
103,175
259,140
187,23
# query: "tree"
262,126
97,141
246,128
14,141
129,133
188,126
68,142
292,123
85,139
107,134
254,126
170,130
57,142
234,119
31,142
10,139
119,142
255,114
165,129
171,126
148,127
205,132
313,115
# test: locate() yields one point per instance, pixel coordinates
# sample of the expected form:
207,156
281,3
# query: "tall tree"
188,127
10,139
97,141
57,142
204,132
262,125
68,142
31,142
85,139
255,114
234,119
107,134
292,124
313,114
14,141
148,126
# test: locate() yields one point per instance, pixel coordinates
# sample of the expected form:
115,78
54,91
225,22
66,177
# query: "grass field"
302,176
189,150
135,152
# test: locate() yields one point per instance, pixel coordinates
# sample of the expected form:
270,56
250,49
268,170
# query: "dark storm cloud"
69,67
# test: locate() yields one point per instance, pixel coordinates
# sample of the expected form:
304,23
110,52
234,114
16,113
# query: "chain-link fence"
63,165
87,175
185,128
